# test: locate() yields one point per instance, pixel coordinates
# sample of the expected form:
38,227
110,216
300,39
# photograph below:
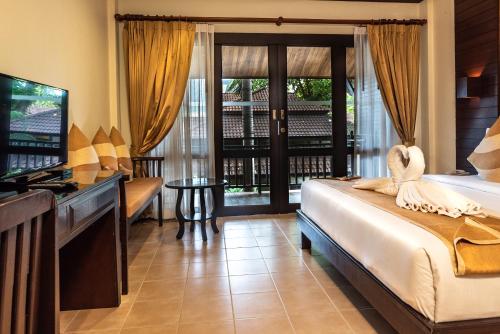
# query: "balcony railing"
247,163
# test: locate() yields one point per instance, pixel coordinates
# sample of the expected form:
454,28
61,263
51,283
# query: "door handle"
282,114
274,115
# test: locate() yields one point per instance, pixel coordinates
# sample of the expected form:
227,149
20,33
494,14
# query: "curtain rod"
278,21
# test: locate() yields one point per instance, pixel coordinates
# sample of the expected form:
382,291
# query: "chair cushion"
81,154
486,157
105,150
139,191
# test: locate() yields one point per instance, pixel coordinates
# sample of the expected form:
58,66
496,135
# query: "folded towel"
415,194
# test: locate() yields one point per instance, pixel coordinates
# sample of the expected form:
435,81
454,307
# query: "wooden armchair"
29,285
135,197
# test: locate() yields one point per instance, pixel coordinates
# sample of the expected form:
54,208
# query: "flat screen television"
33,126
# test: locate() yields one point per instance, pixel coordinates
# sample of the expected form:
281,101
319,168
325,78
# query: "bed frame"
400,315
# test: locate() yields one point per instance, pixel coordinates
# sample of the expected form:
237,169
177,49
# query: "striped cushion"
486,157
122,152
105,150
81,154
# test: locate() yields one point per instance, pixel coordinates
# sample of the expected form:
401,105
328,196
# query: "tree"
257,84
311,89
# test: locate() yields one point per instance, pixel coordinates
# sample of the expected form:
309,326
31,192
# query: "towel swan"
415,194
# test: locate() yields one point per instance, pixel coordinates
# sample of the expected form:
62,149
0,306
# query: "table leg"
191,208
178,213
203,220
213,221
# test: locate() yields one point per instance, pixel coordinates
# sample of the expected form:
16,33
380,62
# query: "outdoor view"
34,122
246,115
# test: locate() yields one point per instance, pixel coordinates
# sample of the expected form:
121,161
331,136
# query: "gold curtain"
157,62
396,56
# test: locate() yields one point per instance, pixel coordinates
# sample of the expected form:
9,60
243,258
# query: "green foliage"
14,114
311,89
257,84
21,87
350,104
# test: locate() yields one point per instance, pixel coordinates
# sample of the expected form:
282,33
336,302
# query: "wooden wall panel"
477,54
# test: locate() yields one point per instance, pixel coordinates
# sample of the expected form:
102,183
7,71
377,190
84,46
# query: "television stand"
55,186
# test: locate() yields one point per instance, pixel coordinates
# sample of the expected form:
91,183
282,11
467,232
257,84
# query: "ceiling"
302,62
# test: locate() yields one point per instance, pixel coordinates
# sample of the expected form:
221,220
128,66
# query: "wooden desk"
88,241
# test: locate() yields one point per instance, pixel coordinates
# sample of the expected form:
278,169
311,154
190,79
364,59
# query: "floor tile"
206,309
235,225
329,277
251,278
271,240
367,322
167,272
169,329
299,302
238,233
280,325
273,252
221,327
286,265
100,319
154,313
137,273
247,267
133,289
241,242
65,319
208,269
254,305
347,298
252,284
322,323
208,255
168,256
213,286
301,280
163,289
247,253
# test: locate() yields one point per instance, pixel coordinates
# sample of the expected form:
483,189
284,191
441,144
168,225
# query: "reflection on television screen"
33,114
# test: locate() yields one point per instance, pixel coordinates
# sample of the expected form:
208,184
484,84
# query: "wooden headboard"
477,54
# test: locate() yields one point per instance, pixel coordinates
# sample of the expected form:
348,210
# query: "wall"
477,37
260,8
61,43
435,131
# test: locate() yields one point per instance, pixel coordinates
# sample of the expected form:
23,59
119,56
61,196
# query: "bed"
403,270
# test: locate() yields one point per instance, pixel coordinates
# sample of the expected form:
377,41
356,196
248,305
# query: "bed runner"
473,243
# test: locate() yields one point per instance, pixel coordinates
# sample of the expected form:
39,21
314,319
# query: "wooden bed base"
400,315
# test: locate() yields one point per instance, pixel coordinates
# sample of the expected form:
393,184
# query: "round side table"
199,184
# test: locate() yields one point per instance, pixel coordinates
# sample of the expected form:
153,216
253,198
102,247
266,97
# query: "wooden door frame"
277,44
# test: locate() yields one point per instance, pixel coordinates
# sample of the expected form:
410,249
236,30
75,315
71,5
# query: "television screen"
33,126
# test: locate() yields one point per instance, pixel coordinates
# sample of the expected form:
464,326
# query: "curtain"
189,147
395,50
375,134
157,60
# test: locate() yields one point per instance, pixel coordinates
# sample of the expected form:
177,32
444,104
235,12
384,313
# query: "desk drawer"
84,209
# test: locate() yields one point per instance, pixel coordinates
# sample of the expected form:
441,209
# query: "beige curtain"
157,62
395,51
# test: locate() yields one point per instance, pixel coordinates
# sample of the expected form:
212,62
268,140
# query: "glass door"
280,117
309,111
246,141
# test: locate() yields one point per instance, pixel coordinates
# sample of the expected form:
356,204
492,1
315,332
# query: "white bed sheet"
410,261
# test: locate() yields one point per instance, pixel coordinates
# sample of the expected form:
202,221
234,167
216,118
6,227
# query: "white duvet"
410,261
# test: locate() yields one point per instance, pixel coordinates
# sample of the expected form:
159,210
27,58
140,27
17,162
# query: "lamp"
468,87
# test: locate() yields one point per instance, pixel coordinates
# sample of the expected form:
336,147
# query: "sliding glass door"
280,117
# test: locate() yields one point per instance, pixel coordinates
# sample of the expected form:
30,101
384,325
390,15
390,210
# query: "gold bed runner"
473,243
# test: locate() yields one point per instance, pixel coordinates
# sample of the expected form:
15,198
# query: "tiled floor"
251,278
